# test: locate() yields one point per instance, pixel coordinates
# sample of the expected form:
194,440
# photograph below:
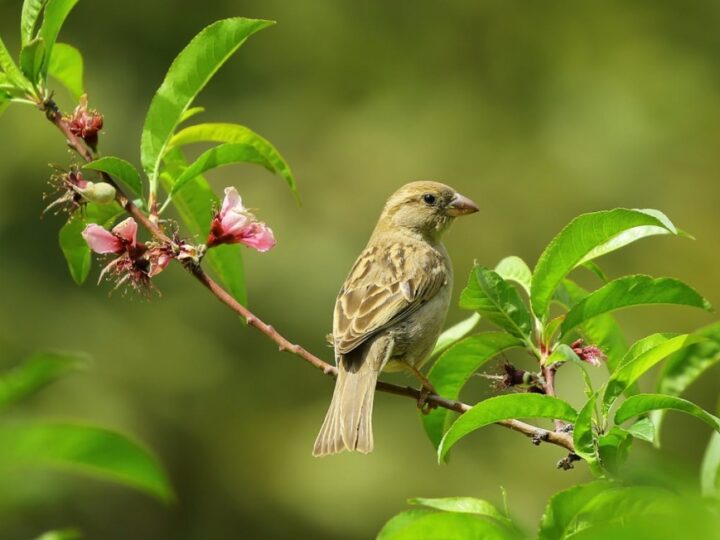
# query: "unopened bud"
98,192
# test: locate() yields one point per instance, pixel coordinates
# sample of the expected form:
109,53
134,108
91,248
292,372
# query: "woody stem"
78,145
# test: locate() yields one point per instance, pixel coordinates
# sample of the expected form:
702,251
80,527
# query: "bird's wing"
385,285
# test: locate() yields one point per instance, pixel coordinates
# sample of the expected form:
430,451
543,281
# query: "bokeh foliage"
540,112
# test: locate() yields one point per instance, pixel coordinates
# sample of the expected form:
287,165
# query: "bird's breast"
415,336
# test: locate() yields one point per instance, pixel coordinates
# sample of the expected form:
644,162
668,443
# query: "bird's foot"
426,390
423,404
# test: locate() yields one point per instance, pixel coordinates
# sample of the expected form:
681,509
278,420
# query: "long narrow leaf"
641,357
468,505
28,19
584,434
189,73
686,366
455,333
235,133
85,449
13,73
498,301
31,59
563,506
513,268
427,524
632,291
586,237
505,407
33,374
224,154
710,468
644,403
56,12
67,67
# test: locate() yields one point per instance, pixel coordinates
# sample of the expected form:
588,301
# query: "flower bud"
98,192
85,123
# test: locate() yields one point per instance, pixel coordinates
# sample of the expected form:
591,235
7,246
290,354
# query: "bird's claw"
423,404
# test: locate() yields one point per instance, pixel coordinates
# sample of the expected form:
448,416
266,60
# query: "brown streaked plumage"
391,308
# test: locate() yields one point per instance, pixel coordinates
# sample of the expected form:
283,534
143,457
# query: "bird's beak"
460,206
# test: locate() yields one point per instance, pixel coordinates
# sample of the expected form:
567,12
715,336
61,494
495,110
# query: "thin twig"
78,145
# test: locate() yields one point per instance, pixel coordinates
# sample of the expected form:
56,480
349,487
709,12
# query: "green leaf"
56,12
468,505
195,204
224,154
587,237
455,367
12,72
551,328
33,374
593,267
632,291
563,506
643,355
237,134
75,249
431,525
31,59
28,19
584,434
120,170
602,331
505,407
189,73
455,333
63,534
617,505
188,114
644,403
85,449
613,449
67,67
686,366
515,269
498,301
643,429
463,505
710,468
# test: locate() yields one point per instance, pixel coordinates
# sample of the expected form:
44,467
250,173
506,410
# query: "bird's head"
425,207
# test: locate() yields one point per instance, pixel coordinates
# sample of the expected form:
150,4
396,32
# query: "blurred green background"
536,110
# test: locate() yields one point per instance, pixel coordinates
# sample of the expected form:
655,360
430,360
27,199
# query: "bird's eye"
429,199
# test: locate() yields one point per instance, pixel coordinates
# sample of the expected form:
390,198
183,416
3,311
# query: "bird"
391,308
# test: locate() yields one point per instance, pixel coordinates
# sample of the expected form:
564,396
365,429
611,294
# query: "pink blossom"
123,236
236,224
592,354
135,263
85,123
100,240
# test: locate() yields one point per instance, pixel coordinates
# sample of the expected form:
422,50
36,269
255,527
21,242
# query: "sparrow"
391,307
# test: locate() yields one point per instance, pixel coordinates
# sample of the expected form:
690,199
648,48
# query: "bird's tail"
348,422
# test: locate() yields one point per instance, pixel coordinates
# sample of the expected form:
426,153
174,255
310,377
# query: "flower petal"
127,230
101,240
233,222
258,236
232,200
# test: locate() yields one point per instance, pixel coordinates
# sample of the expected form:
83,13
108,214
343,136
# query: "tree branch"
78,145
